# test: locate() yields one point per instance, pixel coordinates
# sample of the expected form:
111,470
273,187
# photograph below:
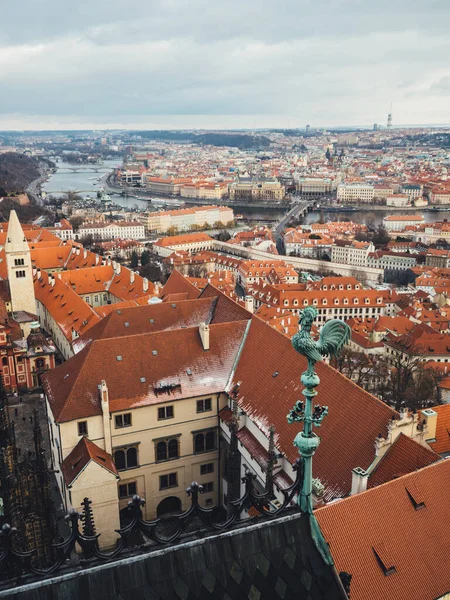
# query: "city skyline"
185,65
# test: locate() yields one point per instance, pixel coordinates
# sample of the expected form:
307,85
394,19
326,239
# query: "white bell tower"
18,261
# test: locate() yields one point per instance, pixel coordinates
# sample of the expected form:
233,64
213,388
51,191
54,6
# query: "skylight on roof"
119,358
188,372
143,380
152,321
155,352
126,324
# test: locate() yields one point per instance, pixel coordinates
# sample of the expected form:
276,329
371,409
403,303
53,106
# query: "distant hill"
16,172
236,140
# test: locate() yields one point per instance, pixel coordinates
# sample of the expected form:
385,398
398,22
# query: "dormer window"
345,300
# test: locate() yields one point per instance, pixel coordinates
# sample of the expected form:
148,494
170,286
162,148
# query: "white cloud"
180,63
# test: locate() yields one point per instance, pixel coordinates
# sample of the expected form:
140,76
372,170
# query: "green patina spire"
333,336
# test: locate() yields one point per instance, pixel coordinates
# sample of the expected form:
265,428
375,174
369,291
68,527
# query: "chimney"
104,398
131,277
78,252
38,273
97,258
204,335
84,253
430,424
359,481
249,304
145,284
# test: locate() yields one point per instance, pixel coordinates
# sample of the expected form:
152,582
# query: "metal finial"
333,336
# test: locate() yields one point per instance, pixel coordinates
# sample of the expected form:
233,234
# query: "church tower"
18,261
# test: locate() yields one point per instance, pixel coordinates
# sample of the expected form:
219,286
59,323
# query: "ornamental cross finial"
333,336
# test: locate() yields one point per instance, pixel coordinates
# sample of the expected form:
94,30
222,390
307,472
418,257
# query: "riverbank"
384,208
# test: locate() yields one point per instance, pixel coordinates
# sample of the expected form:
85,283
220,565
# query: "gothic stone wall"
264,561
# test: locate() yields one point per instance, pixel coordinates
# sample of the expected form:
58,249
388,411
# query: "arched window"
205,442
126,458
161,451
199,443
132,458
119,460
40,363
167,449
173,448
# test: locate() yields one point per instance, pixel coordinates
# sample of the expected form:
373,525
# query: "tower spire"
18,261
389,119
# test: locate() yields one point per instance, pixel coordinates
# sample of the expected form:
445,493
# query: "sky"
169,64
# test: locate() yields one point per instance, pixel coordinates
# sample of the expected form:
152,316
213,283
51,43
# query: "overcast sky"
217,64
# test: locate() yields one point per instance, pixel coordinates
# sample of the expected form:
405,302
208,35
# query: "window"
126,490
5,361
18,262
123,420
40,363
126,458
204,405
167,449
20,274
168,481
82,428
204,442
206,468
208,487
165,412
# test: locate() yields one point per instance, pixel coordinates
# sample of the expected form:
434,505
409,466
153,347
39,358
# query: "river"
86,183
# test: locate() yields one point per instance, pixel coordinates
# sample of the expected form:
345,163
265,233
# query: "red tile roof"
81,456
179,240
384,519
134,367
178,284
149,318
70,311
404,456
442,443
269,370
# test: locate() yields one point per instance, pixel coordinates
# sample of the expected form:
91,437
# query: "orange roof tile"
268,372
404,456
410,539
79,458
146,362
442,443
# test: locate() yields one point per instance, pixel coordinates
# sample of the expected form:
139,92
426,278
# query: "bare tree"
400,381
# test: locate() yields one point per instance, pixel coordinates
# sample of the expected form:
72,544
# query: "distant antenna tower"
389,121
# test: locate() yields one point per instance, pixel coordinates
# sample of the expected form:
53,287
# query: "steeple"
18,261
15,240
